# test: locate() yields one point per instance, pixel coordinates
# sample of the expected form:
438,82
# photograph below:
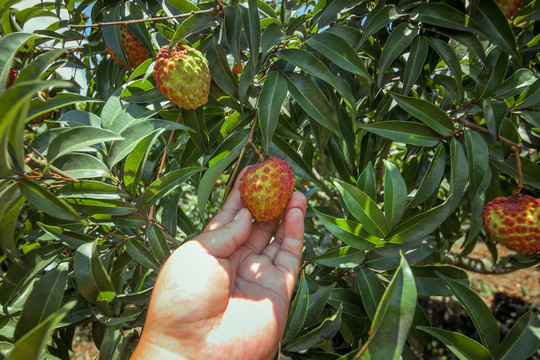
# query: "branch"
57,174
213,11
504,265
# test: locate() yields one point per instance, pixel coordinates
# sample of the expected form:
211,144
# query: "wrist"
165,349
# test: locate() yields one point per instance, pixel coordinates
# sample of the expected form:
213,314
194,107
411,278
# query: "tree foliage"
401,119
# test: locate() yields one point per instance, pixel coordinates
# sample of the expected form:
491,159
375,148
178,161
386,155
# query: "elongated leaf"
93,282
158,243
483,320
317,302
193,24
428,283
412,133
165,184
59,101
140,254
520,342
451,60
309,63
395,194
496,76
45,299
364,209
253,30
47,202
344,257
432,179
11,201
394,316
338,50
463,347
272,95
415,63
77,138
310,97
370,288
440,14
478,158
32,344
219,69
81,165
426,112
348,231
209,180
377,19
326,331
297,313
400,38
136,160
69,238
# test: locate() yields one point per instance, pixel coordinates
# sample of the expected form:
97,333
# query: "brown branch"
520,173
125,22
56,174
246,144
504,265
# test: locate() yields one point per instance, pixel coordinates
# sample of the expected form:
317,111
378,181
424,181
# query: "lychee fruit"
183,76
508,7
266,187
237,70
12,76
515,223
136,52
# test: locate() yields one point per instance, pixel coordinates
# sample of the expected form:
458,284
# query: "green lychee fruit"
183,76
136,52
508,7
266,187
515,223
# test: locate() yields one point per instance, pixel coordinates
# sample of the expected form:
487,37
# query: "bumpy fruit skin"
266,187
515,223
182,75
508,7
136,52
12,76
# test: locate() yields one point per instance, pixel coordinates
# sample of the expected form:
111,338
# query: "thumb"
223,241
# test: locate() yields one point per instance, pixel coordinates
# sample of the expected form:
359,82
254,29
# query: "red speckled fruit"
136,52
183,76
12,76
515,223
508,7
265,188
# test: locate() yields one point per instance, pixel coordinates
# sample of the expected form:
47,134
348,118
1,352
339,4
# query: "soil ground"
508,295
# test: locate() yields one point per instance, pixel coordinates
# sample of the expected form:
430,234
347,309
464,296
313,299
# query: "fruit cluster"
136,52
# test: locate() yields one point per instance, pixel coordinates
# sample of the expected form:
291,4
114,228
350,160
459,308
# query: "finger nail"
239,214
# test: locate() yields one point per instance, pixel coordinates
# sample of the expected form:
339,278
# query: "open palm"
226,293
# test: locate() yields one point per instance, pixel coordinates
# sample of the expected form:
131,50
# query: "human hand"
226,293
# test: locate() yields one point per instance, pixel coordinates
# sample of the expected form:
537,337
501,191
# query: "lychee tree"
401,120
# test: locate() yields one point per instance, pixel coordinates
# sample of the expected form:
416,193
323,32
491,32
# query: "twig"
248,142
151,211
520,173
506,264
134,21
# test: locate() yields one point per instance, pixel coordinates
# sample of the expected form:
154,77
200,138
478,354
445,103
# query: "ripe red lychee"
266,187
12,76
183,76
136,52
237,70
515,223
508,7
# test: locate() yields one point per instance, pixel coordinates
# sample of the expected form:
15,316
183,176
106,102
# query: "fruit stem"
520,173
249,141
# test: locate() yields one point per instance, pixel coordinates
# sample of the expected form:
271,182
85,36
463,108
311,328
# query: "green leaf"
428,283
69,238
426,112
400,38
310,97
432,179
132,134
165,184
78,138
271,37
91,189
309,63
208,181
408,132
370,288
11,201
253,30
273,93
478,158
344,257
364,209
220,70
158,243
377,19
193,24
45,299
82,166
483,320
516,84
32,344
495,77
101,206
59,101
337,49
531,171
348,231
395,194
325,331
317,302
415,63
93,282
37,67
489,20
394,316
451,60
48,203
367,181
462,346
297,312
140,254
195,120
520,342
440,14
136,160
